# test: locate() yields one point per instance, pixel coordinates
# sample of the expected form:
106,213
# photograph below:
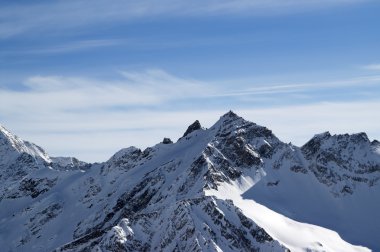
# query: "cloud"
147,89
58,16
375,67
75,46
283,88
56,94
95,137
93,118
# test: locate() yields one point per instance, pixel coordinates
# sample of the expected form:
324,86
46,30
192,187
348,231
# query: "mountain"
233,187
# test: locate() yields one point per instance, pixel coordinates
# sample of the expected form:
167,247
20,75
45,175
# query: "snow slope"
344,197
296,236
233,187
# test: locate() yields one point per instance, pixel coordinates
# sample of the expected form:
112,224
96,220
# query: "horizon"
86,80
175,140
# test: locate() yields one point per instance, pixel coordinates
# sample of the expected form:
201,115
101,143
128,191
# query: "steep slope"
23,165
124,203
19,157
332,181
203,193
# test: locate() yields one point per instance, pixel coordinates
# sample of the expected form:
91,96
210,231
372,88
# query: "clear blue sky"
86,78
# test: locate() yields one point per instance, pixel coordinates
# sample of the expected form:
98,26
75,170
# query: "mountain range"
232,187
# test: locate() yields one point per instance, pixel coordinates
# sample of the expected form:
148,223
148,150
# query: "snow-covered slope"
332,181
18,157
233,187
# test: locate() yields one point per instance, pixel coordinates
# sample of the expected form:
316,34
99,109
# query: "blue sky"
87,78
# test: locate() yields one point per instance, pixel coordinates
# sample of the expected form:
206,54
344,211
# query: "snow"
296,236
297,210
377,150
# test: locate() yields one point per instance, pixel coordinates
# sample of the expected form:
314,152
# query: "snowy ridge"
233,187
11,145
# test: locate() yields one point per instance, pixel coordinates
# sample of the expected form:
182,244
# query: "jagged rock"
167,141
193,127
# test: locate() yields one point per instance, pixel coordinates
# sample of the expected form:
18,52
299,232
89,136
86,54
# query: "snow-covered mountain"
233,187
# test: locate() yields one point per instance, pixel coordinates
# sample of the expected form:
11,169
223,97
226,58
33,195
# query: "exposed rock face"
159,199
193,127
343,161
167,141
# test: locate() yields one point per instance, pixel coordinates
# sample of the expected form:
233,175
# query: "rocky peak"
360,137
230,114
167,140
339,142
342,161
314,144
126,153
228,118
375,143
323,135
232,128
193,127
12,146
8,140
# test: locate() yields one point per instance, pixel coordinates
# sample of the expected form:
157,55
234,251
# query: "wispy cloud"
149,88
37,18
302,87
49,94
375,67
130,43
139,108
95,137
75,46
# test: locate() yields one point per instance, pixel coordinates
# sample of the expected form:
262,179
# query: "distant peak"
7,137
325,134
4,132
193,127
10,143
361,136
126,152
230,114
167,140
228,118
356,138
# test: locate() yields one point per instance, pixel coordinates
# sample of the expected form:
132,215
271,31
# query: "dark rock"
273,183
167,141
297,168
266,151
347,189
193,127
230,114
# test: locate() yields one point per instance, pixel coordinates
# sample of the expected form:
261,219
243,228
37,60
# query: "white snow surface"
11,145
296,236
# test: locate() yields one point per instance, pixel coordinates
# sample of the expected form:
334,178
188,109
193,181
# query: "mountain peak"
211,187
12,146
193,127
322,135
10,141
355,138
4,133
229,117
230,114
362,136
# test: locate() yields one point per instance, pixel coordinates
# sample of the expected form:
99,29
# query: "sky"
87,78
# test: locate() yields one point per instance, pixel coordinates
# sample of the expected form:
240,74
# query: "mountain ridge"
122,203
